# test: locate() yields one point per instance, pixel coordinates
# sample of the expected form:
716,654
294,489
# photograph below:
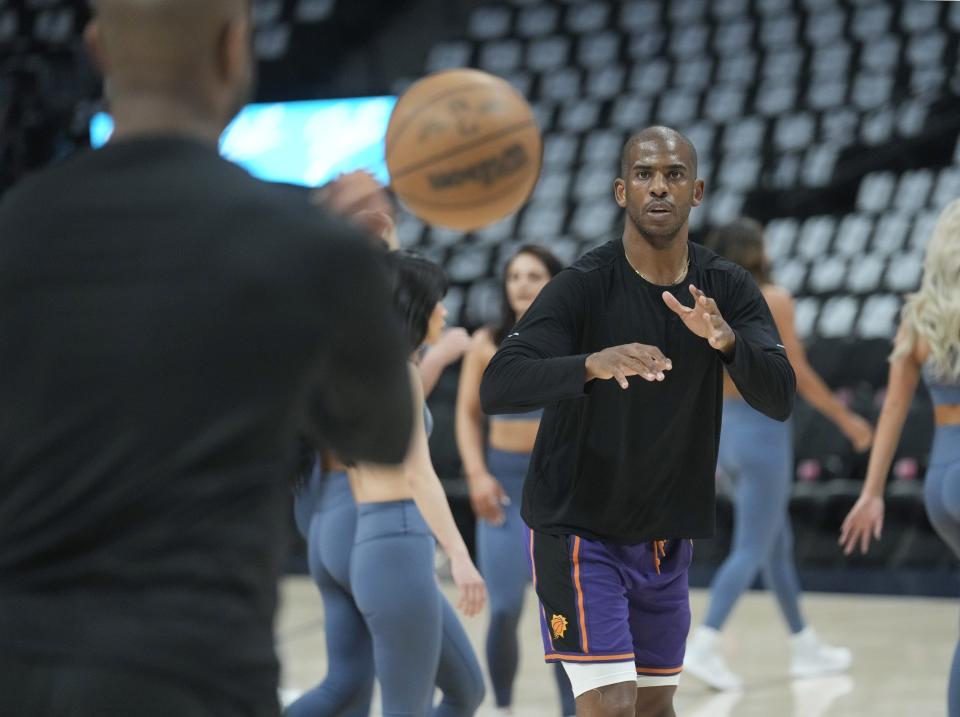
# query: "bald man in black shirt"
168,323
626,351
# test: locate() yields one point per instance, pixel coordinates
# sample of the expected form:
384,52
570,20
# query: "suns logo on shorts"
558,623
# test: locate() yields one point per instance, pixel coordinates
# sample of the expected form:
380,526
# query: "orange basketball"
463,149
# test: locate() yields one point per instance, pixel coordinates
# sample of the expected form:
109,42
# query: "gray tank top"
534,415
942,391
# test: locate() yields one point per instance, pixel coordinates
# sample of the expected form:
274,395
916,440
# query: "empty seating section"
781,95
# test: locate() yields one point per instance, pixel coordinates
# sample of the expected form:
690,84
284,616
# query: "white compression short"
590,676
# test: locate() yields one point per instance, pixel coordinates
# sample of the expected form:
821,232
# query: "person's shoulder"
907,333
42,184
272,231
180,170
482,343
921,350
715,264
777,296
184,165
726,277
287,214
281,205
598,258
780,303
482,338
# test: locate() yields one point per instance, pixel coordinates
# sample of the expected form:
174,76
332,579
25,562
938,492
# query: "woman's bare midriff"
371,483
378,484
330,464
946,414
513,436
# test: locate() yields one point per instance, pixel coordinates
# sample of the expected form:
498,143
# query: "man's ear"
620,192
697,193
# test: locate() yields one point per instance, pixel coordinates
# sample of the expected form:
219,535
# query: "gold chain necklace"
683,271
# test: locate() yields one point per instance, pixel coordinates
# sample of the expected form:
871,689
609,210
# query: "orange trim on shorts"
576,581
591,658
661,670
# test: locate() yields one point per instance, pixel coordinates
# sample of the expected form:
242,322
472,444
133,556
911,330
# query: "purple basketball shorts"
603,602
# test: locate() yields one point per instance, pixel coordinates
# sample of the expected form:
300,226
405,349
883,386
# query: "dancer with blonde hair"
927,346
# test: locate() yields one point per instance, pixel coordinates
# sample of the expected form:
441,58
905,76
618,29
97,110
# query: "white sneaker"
810,657
288,696
705,661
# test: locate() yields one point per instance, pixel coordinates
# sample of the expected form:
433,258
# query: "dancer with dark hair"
324,508
495,455
401,513
383,610
756,452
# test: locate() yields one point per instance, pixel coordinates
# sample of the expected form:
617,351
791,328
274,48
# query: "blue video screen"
305,142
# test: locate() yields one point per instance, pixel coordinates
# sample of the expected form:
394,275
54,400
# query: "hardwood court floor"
902,650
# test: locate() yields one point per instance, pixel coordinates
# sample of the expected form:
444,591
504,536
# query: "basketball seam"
502,132
473,202
423,106
428,102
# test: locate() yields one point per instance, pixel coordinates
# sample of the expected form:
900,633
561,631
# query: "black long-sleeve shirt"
167,324
626,466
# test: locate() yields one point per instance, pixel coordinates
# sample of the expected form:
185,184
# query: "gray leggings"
757,453
502,559
417,638
942,499
327,517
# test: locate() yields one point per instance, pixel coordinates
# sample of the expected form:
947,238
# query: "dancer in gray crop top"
495,451
927,347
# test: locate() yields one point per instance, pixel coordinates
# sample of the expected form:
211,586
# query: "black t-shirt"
626,466
167,324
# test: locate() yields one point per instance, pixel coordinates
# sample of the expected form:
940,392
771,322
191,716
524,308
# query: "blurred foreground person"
168,324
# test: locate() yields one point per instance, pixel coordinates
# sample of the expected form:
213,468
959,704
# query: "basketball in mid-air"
463,149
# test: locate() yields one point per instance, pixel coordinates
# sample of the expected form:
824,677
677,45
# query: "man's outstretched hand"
703,319
618,362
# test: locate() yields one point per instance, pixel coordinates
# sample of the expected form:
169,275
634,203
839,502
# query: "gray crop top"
942,391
